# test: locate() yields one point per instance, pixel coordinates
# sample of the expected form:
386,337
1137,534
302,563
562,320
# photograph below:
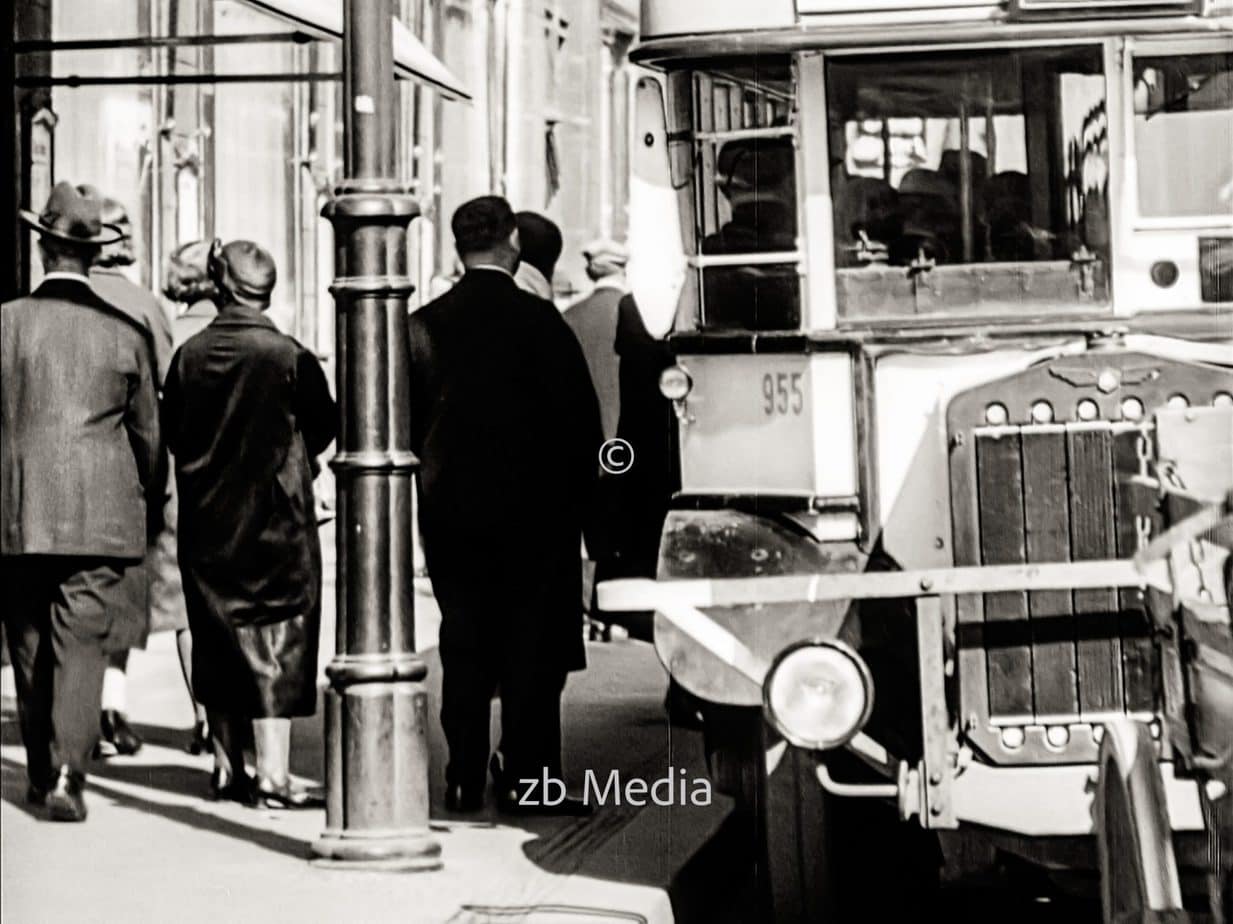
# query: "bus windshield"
1183,109
969,182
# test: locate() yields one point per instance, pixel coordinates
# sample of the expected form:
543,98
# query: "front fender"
731,543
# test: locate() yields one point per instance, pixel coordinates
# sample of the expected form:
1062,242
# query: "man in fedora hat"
79,471
108,279
246,412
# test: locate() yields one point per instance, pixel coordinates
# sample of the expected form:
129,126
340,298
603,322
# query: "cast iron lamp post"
376,706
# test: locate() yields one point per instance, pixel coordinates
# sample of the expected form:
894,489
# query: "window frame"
1155,48
822,239
690,128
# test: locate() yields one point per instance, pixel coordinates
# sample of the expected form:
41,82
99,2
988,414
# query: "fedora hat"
71,217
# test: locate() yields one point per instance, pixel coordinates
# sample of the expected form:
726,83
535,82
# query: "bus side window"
943,160
747,258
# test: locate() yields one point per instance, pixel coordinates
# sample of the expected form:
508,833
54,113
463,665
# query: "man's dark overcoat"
245,410
506,424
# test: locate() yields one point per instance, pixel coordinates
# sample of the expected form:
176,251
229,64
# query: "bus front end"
951,298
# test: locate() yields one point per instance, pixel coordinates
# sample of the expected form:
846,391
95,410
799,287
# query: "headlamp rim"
674,368
866,680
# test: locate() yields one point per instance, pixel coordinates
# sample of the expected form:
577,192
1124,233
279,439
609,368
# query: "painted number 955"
783,393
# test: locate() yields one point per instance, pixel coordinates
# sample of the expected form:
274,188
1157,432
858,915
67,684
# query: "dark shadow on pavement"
166,778
176,779
13,782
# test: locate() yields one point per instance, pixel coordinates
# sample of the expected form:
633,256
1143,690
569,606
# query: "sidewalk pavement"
156,849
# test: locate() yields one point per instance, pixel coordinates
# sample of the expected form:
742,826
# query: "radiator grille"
1049,493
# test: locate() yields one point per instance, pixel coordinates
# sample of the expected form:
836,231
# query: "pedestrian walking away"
539,248
82,484
502,407
246,410
108,278
187,284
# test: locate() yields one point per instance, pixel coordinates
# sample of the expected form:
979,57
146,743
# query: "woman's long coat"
245,411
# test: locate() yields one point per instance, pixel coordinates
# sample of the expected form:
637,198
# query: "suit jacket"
594,322
79,447
506,424
142,306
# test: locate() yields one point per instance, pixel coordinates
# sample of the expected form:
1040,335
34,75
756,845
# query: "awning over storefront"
411,58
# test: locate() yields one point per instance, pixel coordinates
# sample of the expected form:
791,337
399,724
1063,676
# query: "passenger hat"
606,255
73,218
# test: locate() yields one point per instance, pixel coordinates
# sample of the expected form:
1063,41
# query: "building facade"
222,118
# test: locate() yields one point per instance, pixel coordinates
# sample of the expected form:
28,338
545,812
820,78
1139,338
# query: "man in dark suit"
506,425
80,465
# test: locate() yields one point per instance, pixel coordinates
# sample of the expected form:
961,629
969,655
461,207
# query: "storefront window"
102,135
944,161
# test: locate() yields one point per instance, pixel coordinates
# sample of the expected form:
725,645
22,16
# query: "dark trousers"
530,716
58,613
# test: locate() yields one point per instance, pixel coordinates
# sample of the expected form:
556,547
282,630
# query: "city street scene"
663,461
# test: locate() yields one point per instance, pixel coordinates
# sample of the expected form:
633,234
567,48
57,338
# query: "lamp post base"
376,768
392,853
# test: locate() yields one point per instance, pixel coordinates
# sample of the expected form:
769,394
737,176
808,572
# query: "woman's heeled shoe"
284,797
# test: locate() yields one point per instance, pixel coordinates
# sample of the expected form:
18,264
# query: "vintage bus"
950,290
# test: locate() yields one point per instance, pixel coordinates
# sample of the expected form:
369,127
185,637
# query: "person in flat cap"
108,278
81,487
593,320
246,412
756,176
502,412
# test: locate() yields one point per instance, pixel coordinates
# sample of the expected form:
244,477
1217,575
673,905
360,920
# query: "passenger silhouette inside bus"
868,217
755,177
930,229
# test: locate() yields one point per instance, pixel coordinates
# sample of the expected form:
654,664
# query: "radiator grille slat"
1090,475
1140,659
1047,522
1006,631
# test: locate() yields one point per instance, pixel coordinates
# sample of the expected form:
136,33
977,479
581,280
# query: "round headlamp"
675,383
818,694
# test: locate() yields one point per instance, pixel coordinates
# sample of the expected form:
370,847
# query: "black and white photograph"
590,461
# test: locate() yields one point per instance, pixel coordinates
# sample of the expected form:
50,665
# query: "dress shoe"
225,788
65,801
36,795
117,732
463,800
201,743
509,802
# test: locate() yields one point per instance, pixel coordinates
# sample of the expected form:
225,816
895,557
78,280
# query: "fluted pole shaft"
376,706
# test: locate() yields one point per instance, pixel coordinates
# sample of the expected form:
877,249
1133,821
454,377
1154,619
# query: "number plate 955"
783,393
